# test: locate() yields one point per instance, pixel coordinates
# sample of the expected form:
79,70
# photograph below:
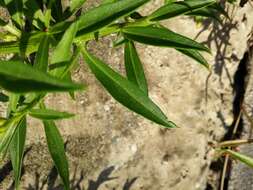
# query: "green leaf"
76,4
105,14
241,157
15,8
2,23
49,114
56,149
161,37
134,69
177,8
17,150
62,52
107,1
195,55
68,77
218,7
41,60
3,98
13,103
206,12
7,131
57,10
20,78
34,14
125,91
28,44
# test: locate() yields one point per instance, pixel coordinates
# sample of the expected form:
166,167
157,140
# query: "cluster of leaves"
45,41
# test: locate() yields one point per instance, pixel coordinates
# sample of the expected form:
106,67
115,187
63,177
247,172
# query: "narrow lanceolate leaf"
41,60
125,91
206,12
13,103
62,52
241,157
177,8
56,149
194,54
28,44
105,14
7,131
161,37
17,150
20,78
49,114
134,69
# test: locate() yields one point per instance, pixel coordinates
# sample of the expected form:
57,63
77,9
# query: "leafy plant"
45,41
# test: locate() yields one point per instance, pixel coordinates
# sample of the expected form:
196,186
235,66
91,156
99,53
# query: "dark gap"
239,87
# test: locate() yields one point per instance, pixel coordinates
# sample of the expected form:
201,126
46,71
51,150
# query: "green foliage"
46,40
239,156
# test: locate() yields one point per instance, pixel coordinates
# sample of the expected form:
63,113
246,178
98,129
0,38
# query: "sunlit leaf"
126,92
18,77
134,69
76,4
28,44
177,8
105,14
41,60
49,114
17,150
62,52
241,157
161,37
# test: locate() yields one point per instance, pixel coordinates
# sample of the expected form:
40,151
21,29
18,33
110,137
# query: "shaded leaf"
17,150
18,77
196,56
206,12
7,131
125,91
57,11
2,22
3,98
134,69
15,8
56,149
161,37
49,114
34,14
177,8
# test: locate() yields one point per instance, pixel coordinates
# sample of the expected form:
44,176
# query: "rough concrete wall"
241,174
107,139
